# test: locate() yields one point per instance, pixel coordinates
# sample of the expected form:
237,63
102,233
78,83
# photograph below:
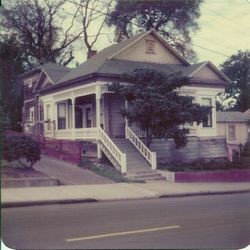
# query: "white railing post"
123,163
153,161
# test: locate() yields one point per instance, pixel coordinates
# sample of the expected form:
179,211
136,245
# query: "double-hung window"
207,122
61,117
231,132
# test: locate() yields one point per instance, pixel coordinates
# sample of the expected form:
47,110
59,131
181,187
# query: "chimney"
91,53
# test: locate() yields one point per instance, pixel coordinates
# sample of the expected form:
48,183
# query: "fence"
66,150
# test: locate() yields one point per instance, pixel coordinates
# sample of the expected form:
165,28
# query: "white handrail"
119,156
144,150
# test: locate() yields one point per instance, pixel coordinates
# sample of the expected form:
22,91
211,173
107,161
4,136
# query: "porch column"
73,117
98,116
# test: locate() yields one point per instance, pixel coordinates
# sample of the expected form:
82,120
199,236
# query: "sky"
224,29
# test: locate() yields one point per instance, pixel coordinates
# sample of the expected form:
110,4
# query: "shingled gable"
50,73
208,70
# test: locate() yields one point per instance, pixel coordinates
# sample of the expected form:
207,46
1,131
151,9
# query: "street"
213,221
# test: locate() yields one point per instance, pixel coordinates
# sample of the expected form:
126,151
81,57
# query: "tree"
157,107
172,19
92,16
21,147
237,68
11,98
36,25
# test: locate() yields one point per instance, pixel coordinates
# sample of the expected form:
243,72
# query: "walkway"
67,173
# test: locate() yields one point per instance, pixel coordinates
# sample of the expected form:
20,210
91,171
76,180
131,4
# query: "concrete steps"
137,166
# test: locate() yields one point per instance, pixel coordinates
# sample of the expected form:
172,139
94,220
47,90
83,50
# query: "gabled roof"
213,68
52,71
231,116
98,61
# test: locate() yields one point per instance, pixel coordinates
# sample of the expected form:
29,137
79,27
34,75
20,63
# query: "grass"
206,165
107,171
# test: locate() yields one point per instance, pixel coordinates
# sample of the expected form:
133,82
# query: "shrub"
21,148
246,149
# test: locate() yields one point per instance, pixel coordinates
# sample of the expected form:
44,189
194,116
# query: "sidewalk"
12,197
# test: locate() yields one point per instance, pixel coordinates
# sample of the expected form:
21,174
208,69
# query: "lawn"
107,171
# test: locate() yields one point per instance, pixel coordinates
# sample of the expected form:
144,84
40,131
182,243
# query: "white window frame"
32,114
230,136
30,83
211,114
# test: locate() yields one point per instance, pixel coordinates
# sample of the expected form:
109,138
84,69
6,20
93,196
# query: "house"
234,126
76,104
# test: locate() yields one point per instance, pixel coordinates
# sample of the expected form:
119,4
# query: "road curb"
203,193
46,202
90,200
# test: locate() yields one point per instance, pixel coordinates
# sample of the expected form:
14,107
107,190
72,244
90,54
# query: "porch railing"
119,156
86,133
143,149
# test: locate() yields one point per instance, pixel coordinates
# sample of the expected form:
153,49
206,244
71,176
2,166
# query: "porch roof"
231,116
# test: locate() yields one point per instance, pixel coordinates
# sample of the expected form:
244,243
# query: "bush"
21,148
246,149
205,165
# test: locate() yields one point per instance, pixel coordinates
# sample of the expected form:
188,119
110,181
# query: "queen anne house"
76,104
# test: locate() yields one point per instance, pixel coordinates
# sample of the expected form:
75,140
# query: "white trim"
213,68
29,100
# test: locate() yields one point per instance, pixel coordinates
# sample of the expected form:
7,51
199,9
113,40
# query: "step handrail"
119,156
142,148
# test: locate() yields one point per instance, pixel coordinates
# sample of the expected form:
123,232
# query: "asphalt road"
215,221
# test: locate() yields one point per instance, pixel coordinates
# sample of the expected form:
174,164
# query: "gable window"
207,122
61,115
231,132
32,114
150,46
30,82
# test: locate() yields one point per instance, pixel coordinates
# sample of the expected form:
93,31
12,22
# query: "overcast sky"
224,29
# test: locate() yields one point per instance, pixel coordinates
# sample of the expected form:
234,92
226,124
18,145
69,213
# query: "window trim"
32,114
63,117
231,138
210,115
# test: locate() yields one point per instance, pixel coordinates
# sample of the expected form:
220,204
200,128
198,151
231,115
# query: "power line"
226,18
196,45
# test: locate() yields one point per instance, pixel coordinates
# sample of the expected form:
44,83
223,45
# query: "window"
206,123
231,132
150,46
30,83
48,116
61,115
32,114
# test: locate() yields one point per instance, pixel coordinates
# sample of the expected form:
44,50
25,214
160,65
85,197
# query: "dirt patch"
14,170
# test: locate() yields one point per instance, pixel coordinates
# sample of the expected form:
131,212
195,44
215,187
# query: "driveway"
68,173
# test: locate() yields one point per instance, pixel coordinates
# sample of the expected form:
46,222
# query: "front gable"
43,81
150,48
208,71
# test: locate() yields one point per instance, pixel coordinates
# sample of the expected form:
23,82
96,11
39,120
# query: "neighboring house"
234,126
76,104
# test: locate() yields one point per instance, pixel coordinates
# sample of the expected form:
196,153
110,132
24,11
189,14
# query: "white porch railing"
143,149
86,133
119,156
72,134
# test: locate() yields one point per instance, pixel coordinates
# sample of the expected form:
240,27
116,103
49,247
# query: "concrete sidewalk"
12,197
